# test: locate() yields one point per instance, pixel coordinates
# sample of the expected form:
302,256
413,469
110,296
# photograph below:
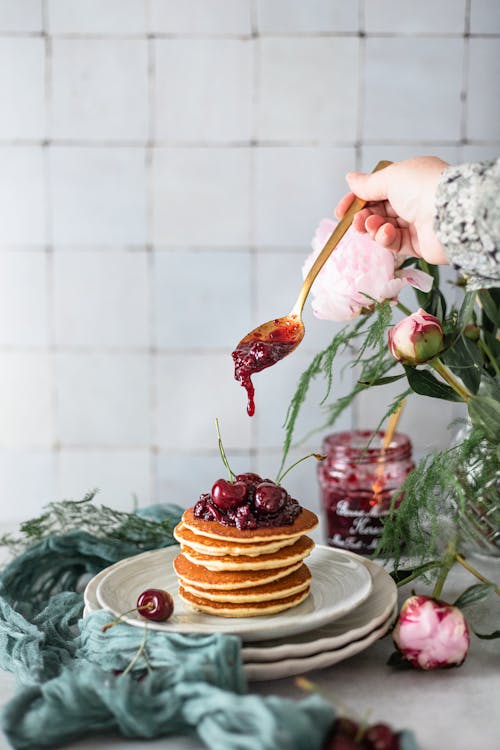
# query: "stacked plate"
352,603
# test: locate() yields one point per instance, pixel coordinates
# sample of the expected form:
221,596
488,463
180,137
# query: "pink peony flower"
431,634
416,339
356,273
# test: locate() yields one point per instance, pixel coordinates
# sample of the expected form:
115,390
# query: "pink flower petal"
416,278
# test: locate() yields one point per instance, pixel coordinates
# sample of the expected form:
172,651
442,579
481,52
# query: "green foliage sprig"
100,521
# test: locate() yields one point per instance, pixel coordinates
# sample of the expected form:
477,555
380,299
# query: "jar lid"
365,446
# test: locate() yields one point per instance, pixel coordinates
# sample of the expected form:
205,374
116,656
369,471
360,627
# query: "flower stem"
486,349
474,572
403,308
417,573
448,376
446,566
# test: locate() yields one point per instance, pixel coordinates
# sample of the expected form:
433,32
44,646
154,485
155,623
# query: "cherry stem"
475,572
222,452
108,625
317,456
138,654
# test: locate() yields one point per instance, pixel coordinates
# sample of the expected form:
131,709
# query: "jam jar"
357,483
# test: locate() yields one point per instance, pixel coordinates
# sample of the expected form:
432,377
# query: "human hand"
401,206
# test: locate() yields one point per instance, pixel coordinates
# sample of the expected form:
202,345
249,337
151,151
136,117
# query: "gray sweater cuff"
467,221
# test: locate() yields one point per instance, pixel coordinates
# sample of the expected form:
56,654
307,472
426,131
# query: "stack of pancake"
230,572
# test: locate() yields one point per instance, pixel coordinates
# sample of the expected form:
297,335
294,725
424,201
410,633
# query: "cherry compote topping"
254,353
248,503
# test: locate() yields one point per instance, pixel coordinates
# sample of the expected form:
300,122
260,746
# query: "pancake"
305,522
208,545
199,576
291,584
253,609
287,555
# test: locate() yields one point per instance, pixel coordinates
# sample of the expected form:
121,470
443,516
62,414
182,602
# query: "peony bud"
416,339
430,633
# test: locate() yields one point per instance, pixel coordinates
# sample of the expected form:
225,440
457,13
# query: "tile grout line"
151,261
49,250
465,75
252,191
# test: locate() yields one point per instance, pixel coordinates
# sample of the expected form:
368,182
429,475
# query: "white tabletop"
451,708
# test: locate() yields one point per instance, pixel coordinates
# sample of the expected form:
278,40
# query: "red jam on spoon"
263,347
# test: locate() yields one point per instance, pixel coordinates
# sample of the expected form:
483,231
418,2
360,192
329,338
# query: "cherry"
380,737
228,495
270,497
155,604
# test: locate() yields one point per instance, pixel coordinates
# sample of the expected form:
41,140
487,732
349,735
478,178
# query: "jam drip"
261,349
261,504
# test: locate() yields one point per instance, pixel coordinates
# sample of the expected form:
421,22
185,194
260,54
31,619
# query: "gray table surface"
452,708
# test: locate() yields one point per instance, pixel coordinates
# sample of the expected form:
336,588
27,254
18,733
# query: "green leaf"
490,309
424,383
473,594
382,381
465,360
465,312
484,412
488,636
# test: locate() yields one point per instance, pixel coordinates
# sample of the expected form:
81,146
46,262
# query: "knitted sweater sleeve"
467,221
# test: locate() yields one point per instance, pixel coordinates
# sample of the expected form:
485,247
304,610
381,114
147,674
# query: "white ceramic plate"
357,624
276,670
339,584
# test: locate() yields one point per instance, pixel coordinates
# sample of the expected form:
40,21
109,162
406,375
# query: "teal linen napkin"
75,680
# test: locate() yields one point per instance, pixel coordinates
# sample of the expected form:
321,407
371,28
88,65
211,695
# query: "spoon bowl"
272,341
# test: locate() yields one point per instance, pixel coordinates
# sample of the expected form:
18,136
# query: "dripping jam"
261,349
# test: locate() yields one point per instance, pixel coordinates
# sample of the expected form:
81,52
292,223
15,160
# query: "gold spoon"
271,341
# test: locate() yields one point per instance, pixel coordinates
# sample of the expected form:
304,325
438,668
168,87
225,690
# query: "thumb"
370,187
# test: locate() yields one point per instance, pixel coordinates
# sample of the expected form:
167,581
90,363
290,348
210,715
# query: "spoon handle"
333,240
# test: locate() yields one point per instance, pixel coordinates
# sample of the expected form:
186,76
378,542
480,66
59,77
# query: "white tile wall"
407,107
163,166
99,89
483,110
485,17
21,15
22,196
96,17
103,399
24,303
294,188
122,477
195,286
205,17
201,196
302,83
113,281
26,400
320,16
97,195
218,74
410,17
22,88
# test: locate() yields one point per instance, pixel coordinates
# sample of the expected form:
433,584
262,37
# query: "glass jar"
357,484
